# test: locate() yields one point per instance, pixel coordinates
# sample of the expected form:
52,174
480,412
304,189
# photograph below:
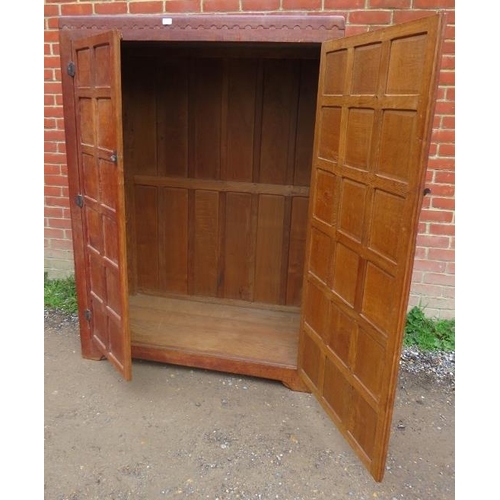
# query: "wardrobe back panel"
218,145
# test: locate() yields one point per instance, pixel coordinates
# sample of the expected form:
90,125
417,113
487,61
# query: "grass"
60,294
428,334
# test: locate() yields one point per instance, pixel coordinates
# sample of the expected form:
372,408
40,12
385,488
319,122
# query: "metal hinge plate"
79,200
87,314
71,68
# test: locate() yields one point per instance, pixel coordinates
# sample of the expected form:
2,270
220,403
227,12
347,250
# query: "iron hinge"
87,314
114,157
71,68
79,200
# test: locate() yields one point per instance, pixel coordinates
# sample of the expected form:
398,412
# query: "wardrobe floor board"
229,331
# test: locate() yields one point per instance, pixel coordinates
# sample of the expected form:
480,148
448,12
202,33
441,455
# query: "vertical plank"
268,249
139,109
238,246
174,240
298,232
277,111
241,100
146,230
172,121
206,242
306,120
206,84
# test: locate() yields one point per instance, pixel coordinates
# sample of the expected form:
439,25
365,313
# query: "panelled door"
373,124
96,72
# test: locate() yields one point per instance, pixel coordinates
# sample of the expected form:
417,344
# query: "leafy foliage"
60,294
429,334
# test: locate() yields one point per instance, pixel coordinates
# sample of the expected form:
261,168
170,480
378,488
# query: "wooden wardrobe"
245,194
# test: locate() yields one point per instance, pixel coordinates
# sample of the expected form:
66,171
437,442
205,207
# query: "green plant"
429,334
60,294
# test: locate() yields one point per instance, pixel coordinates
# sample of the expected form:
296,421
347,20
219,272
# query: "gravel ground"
175,432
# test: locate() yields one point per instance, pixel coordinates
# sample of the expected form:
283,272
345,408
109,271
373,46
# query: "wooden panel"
101,251
206,243
374,120
172,117
140,117
295,274
240,122
269,256
174,234
238,250
279,110
147,238
206,79
233,125
305,122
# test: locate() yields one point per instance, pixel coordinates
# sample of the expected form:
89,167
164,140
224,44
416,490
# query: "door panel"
97,91
373,123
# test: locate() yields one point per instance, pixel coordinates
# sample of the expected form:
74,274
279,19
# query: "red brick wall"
433,283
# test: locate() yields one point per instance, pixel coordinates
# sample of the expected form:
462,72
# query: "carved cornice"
210,27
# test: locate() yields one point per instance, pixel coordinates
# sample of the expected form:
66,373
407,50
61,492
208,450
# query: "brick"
443,203
55,200
433,241
111,8
445,190
344,4
52,87
59,223
439,279
427,265
145,7
444,177
445,108
52,23
306,5
410,15
53,233
441,254
260,5
443,136
447,78
56,180
54,212
448,122
447,150
51,10
79,9
448,61
433,4
436,215
49,123
52,169
370,17
389,4
221,5
51,36
53,111
183,6
50,147
61,244
442,229
441,163
53,158
52,62
49,100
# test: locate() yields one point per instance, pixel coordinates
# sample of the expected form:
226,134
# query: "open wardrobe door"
98,195
373,125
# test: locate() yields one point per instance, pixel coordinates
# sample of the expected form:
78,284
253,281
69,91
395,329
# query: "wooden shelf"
218,335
